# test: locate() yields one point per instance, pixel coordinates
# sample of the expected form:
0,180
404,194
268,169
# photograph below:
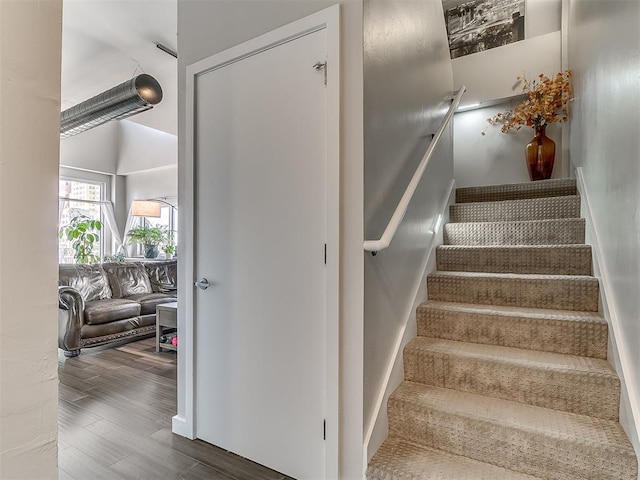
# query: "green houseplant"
82,232
149,237
169,247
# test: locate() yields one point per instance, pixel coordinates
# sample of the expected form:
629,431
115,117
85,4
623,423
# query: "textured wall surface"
30,50
604,53
407,88
206,28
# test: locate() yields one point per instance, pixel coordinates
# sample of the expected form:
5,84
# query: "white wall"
144,148
160,183
408,85
205,28
604,54
30,46
95,150
495,157
490,75
119,192
119,147
490,78
124,149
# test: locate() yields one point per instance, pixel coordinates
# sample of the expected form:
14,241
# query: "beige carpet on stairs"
508,377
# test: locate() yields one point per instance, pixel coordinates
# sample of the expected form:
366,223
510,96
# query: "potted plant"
82,232
547,101
149,237
168,246
169,250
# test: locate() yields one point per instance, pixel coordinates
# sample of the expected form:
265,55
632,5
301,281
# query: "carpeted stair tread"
570,383
562,292
538,441
399,459
540,259
509,368
543,188
509,210
560,331
522,232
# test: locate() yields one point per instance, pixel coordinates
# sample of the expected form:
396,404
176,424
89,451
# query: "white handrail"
374,246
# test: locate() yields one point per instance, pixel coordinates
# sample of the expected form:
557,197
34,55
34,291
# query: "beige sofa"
105,303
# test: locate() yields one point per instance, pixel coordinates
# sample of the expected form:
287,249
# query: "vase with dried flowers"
547,101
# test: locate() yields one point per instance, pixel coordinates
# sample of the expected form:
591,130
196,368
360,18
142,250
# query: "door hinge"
325,253
321,66
324,430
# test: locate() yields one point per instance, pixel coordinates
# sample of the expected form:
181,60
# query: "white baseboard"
179,427
394,363
617,353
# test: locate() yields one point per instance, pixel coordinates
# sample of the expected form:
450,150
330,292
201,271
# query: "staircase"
508,377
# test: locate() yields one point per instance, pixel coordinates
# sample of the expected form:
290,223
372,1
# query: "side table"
166,317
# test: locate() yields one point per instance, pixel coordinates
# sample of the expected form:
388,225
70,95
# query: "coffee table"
166,317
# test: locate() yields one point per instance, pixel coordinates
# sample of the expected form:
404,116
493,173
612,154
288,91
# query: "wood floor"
114,420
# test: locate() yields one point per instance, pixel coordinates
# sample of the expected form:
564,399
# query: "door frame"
184,423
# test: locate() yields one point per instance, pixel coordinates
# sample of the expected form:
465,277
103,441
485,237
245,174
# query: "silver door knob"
202,284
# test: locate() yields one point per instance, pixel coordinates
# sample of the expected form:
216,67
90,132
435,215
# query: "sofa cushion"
149,301
109,310
127,279
90,280
163,276
116,328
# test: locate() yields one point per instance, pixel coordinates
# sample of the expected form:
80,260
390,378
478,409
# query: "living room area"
117,250
118,255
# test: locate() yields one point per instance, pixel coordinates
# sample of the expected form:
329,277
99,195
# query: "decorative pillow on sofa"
90,280
127,279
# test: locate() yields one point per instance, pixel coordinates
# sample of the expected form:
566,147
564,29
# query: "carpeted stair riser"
541,232
509,210
586,386
402,460
508,378
559,292
539,189
538,259
541,442
572,333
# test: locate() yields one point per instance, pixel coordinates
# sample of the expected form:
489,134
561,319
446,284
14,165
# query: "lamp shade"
145,208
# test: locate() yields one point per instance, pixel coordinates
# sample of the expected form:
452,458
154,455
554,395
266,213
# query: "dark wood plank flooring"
114,421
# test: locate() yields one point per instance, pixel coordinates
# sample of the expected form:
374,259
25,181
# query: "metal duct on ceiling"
133,96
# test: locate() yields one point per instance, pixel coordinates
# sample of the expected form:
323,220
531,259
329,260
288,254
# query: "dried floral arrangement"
547,102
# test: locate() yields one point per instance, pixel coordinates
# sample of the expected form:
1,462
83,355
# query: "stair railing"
374,246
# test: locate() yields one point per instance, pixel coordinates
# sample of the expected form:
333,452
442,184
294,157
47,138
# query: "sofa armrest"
70,318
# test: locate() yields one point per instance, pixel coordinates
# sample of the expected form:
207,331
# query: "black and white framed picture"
477,25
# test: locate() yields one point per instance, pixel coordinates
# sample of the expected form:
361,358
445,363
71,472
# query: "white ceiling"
104,41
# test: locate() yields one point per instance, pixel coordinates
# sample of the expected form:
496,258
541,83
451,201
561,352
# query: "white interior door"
260,130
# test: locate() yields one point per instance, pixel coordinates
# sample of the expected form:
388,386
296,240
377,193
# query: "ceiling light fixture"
133,96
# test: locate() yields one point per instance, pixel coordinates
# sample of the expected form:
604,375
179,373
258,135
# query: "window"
168,221
79,197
